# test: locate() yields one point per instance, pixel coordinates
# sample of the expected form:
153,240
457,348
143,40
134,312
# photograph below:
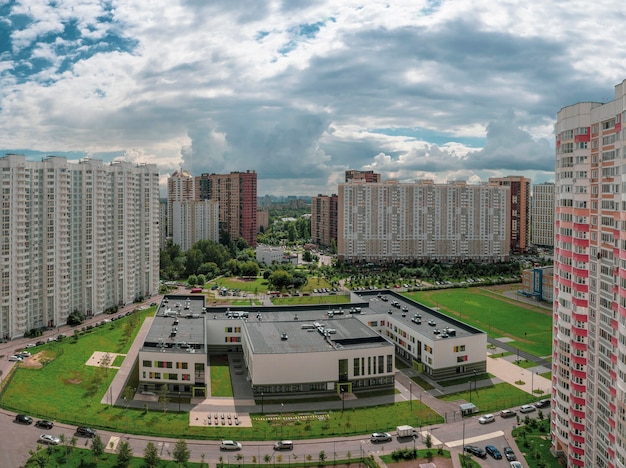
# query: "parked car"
476,451
230,445
380,437
516,464
494,452
15,358
283,445
507,413
86,431
527,409
40,342
24,354
23,419
49,439
509,454
44,424
542,403
30,345
486,418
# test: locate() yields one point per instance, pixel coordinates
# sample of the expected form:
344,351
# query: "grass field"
221,385
493,398
530,327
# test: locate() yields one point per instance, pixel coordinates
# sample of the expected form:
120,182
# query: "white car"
486,418
15,358
49,439
30,345
527,409
380,437
230,445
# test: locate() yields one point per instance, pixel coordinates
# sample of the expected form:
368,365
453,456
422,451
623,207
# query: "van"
283,445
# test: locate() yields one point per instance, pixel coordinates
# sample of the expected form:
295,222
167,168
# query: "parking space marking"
473,440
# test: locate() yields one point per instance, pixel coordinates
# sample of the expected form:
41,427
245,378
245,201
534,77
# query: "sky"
301,91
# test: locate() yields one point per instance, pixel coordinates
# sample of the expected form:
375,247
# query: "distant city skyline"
302,91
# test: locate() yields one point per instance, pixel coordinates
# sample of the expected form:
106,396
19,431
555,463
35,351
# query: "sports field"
528,326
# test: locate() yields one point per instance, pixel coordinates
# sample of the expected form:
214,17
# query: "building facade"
324,220
538,283
236,194
193,221
366,176
181,186
390,221
520,210
542,215
589,350
75,236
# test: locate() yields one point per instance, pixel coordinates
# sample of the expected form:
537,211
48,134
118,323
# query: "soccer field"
529,326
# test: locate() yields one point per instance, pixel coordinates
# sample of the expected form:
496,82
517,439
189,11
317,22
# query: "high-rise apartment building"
520,210
236,194
542,215
324,220
195,220
181,186
589,338
390,221
75,236
367,176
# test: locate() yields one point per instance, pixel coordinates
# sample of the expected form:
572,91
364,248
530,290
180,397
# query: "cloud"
301,91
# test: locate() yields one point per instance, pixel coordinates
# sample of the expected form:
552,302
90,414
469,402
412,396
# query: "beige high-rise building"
542,215
75,236
181,186
390,221
195,220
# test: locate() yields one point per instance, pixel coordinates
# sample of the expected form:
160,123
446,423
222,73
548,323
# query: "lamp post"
475,387
343,400
470,386
282,419
179,402
262,412
411,396
532,383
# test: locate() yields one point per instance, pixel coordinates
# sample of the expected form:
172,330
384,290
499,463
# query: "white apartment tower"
181,186
589,333
75,236
542,215
195,220
390,221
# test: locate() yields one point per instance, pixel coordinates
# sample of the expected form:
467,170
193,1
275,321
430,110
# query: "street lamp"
411,396
532,383
470,386
343,400
475,387
262,412
179,402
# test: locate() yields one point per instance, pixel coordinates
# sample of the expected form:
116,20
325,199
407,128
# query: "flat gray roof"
305,336
441,321
178,326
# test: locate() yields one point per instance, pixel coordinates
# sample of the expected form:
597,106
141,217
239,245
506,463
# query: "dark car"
44,424
476,451
542,404
23,419
494,452
85,431
509,454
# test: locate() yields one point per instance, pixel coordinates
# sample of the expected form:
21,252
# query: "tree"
97,446
250,268
181,452
151,455
163,399
192,280
75,318
40,457
280,279
307,256
124,454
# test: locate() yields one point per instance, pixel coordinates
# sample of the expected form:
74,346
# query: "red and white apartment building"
589,332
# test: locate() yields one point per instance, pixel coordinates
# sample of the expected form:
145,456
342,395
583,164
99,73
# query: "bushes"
404,454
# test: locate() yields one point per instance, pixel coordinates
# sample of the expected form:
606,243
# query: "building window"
357,366
147,364
181,365
186,377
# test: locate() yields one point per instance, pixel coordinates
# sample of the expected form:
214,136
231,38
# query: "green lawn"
531,329
533,439
221,385
254,286
493,398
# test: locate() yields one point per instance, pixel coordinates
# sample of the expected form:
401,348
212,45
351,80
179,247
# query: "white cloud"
300,91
